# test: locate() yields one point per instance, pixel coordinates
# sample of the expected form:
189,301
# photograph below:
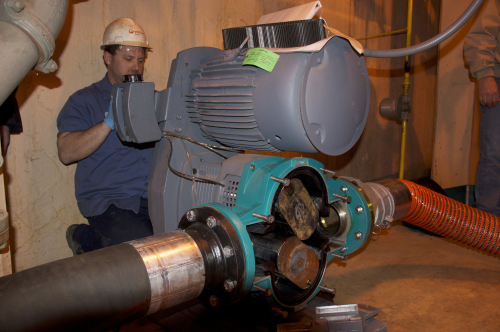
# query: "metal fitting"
268,219
328,290
252,168
341,257
228,251
358,235
358,209
229,285
211,222
344,189
267,291
285,182
190,215
279,312
333,173
18,6
344,198
214,300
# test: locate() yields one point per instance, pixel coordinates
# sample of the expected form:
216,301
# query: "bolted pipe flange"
211,222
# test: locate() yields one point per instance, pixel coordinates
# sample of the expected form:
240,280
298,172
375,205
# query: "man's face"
127,61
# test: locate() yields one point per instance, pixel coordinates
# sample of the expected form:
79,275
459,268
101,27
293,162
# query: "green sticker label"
262,58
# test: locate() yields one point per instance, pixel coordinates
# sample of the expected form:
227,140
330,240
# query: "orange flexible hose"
449,218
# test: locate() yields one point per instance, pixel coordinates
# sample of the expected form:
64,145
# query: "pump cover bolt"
285,182
211,222
358,209
358,235
344,189
228,251
190,215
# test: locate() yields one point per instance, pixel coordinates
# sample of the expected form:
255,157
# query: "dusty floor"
419,283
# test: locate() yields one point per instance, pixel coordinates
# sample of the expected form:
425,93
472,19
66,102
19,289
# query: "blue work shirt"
117,172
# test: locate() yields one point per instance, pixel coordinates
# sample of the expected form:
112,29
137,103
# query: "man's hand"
109,117
488,91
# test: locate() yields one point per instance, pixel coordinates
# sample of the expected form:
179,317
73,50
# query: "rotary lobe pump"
228,223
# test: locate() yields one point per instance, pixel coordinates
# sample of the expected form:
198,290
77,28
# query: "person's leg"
488,169
81,239
117,225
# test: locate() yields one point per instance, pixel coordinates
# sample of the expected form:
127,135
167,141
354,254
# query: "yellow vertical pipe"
406,89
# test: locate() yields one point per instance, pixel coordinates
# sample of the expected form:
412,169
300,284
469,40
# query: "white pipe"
28,30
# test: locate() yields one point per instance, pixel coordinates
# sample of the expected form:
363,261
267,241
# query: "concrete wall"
40,189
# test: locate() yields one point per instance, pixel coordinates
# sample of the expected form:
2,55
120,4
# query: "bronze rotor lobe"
297,207
297,262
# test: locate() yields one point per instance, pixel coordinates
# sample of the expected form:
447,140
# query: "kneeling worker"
111,178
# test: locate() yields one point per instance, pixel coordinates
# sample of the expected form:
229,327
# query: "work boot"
73,245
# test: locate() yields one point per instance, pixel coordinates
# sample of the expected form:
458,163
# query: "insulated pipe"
28,29
473,7
103,289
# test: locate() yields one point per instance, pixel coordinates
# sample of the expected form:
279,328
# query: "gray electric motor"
310,102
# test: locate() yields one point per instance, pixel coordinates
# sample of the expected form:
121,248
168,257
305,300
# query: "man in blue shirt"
111,178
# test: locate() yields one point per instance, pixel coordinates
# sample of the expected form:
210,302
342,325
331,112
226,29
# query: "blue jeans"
488,169
114,226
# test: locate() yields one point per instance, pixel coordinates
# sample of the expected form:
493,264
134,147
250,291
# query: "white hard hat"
124,31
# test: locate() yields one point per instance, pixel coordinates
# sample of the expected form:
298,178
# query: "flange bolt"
229,285
211,222
190,215
228,251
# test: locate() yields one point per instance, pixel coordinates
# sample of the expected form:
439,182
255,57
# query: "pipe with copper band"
103,289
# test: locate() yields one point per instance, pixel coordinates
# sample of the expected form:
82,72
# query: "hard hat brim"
127,43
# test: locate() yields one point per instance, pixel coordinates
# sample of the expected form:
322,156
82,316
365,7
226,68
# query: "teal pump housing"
262,180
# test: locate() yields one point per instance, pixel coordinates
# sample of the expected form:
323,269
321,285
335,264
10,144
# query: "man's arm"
73,147
480,50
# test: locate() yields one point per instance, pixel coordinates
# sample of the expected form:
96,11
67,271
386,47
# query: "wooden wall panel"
456,145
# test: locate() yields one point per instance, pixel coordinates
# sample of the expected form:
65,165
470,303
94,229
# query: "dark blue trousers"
488,169
114,226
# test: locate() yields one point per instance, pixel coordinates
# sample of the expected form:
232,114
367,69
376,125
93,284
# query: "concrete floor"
419,282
